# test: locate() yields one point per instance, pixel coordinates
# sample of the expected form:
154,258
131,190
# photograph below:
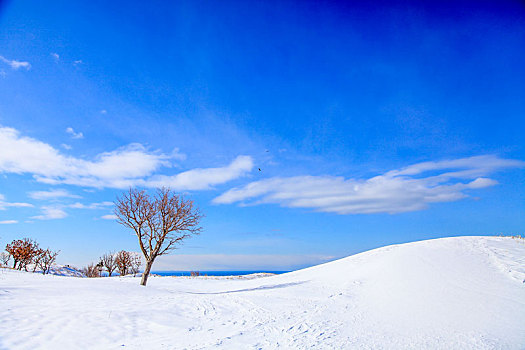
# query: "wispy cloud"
132,165
14,64
100,205
109,217
200,179
55,56
8,222
4,204
52,194
57,211
77,62
396,191
74,135
50,213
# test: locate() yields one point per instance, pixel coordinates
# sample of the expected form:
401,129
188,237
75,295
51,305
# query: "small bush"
4,258
92,270
123,260
108,260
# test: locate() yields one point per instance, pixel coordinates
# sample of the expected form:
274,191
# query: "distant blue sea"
213,273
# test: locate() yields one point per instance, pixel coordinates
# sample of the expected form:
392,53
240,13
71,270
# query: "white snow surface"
448,293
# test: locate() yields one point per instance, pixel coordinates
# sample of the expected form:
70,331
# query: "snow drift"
450,293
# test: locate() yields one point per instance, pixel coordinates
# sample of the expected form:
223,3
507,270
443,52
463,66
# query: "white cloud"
52,194
101,205
58,212
201,179
50,213
74,135
103,111
120,168
8,222
228,262
65,146
396,191
77,62
468,167
109,217
55,56
132,165
4,204
15,64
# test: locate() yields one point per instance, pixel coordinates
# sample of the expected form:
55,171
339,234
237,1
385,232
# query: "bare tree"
4,258
161,221
108,261
123,262
23,252
136,262
47,259
39,255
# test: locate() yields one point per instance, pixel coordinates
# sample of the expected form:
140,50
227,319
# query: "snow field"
449,293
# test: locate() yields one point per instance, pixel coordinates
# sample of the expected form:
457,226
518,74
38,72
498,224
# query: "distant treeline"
25,254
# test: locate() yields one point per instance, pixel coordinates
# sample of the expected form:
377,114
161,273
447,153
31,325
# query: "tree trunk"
145,274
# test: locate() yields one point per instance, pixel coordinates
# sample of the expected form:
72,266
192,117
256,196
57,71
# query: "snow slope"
61,270
450,293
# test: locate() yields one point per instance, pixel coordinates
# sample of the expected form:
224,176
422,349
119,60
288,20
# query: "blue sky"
370,125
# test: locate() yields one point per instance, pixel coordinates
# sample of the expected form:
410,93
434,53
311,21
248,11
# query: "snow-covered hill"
65,270
450,293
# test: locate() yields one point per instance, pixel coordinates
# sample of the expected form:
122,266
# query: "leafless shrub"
109,262
4,258
123,262
46,259
92,270
39,253
136,262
